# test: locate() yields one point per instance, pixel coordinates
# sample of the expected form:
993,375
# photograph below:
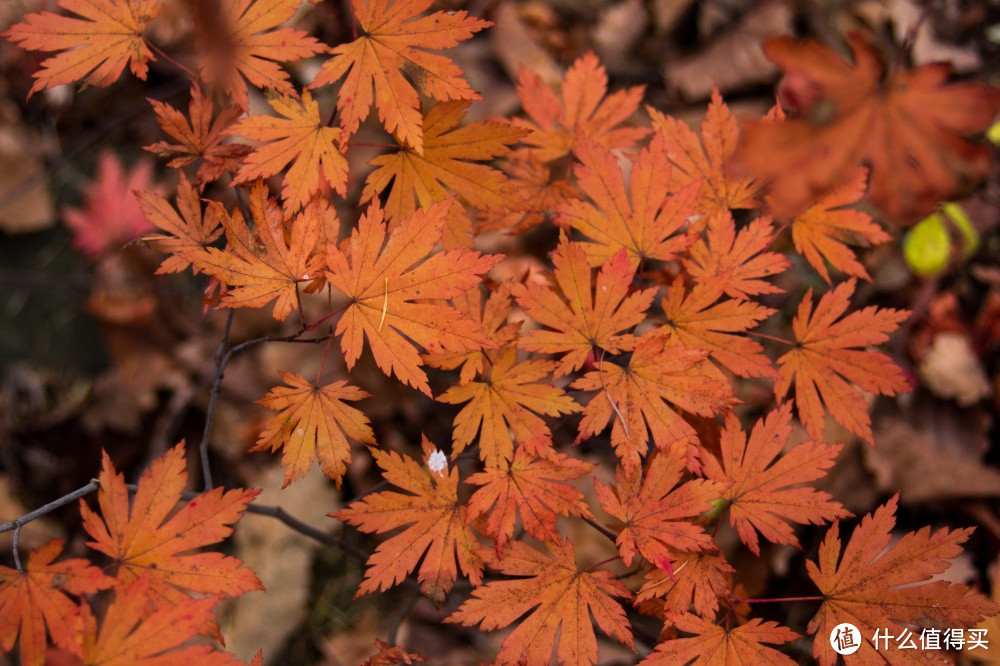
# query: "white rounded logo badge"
845,639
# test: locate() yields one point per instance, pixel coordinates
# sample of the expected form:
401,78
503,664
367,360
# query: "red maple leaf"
111,215
908,127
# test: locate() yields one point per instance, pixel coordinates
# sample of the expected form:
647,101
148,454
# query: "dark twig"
18,523
221,359
608,533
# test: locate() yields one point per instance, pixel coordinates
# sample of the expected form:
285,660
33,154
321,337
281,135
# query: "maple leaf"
584,110
876,585
199,138
696,579
384,279
259,265
824,230
655,511
644,221
238,40
714,645
566,597
824,364
534,488
36,599
534,194
434,522
706,161
299,137
640,395
111,216
131,636
507,402
907,126
759,491
591,317
190,231
447,165
145,539
699,320
95,48
735,261
391,655
492,319
314,422
395,43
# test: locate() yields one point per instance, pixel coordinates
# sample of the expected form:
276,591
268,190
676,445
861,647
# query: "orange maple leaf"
566,597
36,599
390,655
696,580
655,511
315,421
876,587
299,137
645,221
130,635
190,231
260,265
199,138
492,319
706,161
507,402
238,40
760,493
735,261
433,521
449,164
641,394
147,537
700,320
389,281
824,363
396,42
715,645
824,230
907,126
94,48
591,317
532,487
584,110
534,195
